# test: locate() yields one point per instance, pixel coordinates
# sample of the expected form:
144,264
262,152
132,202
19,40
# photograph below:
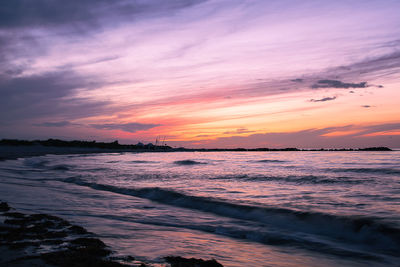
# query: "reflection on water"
242,208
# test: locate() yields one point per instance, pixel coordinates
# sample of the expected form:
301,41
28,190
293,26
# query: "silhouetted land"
151,147
82,144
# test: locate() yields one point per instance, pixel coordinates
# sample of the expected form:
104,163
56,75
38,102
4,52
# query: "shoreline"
12,152
45,240
15,152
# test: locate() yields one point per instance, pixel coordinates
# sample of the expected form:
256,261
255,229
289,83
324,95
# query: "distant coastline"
14,148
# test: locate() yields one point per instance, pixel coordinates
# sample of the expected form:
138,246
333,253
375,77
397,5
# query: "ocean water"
241,208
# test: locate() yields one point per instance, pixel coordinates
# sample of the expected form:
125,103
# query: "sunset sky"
223,73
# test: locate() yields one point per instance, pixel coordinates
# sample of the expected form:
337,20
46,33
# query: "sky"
202,73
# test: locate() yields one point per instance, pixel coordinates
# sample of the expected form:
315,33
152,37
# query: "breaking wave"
370,232
188,162
269,161
36,162
297,179
366,170
61,167
142,161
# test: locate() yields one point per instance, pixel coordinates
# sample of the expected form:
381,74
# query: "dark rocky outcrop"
177,261
71,245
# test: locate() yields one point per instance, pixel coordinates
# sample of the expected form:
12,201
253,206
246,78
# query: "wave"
61,167
264,236
142,161
366,170
380,163
44,164
188,162
102,169
19,171
298,179
351,230
268,161
36,162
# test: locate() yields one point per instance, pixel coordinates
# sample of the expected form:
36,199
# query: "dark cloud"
26,13
368,69
127,127
9,50
323,99
21,42
338,84
297,80
83,13
366,106
351,92
89,62
380,128
49,95
54,124
378,67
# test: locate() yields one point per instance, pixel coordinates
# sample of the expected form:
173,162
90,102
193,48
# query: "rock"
89,242
4,207
16,215
78,230
77,258
192,262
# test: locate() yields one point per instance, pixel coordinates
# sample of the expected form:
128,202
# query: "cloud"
54,124
338,84
41,41
366,106
239,131
203,135
349,136
127,127
380,128
89,62
27,28
48,95
84,13
370,68
297,80
323,99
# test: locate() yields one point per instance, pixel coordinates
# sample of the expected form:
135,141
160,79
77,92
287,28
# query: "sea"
289,208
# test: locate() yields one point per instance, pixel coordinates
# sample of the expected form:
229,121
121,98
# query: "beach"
15,152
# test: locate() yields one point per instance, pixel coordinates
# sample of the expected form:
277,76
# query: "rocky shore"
46,240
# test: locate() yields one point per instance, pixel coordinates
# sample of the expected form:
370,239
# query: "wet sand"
14,152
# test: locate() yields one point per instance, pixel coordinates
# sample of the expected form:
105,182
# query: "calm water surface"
241,208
